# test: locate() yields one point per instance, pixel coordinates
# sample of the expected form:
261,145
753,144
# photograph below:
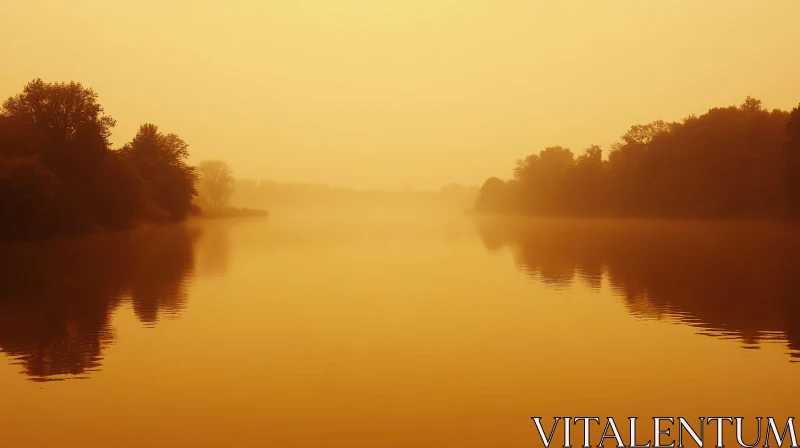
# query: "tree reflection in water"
732,280
57,297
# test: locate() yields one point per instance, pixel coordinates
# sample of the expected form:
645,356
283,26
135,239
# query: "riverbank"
233,212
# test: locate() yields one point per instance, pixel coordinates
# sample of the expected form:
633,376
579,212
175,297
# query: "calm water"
391,330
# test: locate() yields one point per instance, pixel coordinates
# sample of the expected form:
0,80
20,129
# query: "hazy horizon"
414,94
419,223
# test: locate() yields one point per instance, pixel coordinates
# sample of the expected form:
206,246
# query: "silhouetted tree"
58,173
541,179
792,160
169,181
495,196
65,114
733,162
64,127
27,196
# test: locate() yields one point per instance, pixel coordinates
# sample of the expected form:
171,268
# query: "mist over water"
390,327
419,223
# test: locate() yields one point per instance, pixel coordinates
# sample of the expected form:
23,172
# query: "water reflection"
214,251
57,297
732,280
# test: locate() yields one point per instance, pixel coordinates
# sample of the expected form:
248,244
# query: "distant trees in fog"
731,162
265,193
216,183
59,174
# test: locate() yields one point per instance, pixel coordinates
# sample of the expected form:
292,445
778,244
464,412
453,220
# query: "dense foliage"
59,174
732,162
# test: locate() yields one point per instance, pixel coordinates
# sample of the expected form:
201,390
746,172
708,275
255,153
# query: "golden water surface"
391,330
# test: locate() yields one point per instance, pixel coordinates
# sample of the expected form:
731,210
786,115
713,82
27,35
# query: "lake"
391,330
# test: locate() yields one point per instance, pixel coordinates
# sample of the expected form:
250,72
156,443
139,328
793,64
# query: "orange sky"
387,94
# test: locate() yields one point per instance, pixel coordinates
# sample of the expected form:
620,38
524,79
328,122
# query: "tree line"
739,162
60,175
